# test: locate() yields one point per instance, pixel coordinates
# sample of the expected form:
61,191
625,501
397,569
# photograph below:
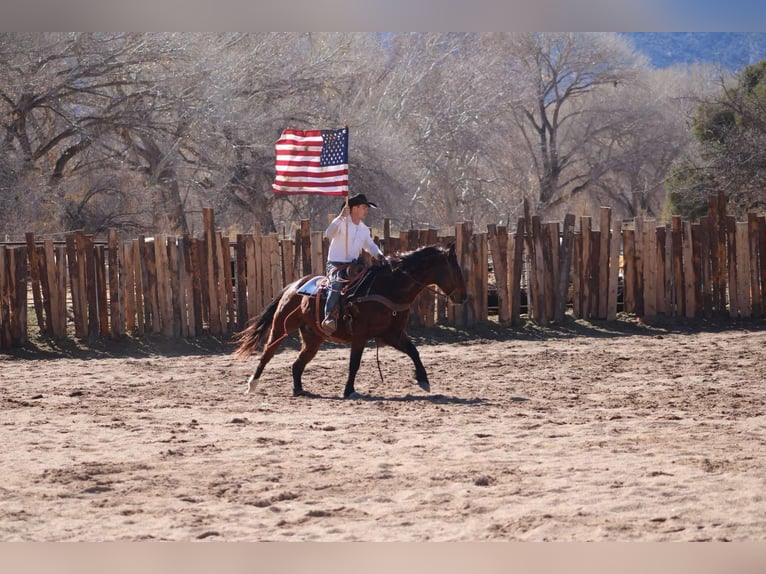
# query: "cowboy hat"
359,199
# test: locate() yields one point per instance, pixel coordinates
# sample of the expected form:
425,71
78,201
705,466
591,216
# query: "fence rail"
187,286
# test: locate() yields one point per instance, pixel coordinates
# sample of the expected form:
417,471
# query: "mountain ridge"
730,50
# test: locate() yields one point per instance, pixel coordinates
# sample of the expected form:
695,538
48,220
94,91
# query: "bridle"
428,286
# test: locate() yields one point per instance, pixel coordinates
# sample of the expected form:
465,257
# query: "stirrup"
329,324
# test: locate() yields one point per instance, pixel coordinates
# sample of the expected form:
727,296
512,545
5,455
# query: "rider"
342,252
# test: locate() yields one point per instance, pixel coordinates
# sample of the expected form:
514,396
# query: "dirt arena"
585,432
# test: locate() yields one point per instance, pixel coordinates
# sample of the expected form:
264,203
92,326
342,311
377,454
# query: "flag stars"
334,150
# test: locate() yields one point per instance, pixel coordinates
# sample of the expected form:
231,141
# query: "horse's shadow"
437,399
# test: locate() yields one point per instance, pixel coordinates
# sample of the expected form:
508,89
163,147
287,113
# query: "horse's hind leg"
268,353
311,343
402,342
285,322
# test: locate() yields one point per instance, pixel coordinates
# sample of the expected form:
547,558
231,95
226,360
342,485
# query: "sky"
379,15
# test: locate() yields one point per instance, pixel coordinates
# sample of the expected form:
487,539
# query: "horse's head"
431,265
451,280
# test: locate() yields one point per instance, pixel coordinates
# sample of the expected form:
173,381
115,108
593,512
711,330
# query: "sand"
619,432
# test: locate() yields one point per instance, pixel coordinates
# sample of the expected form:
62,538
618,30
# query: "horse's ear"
451,249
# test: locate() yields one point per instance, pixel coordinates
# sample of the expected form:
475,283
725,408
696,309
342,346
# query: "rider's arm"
335,225
372,248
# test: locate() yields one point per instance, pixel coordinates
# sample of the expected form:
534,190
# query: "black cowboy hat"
359,199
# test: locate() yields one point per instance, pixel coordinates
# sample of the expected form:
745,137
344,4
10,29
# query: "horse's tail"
250,338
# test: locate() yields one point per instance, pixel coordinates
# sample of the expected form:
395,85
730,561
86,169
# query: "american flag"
312,161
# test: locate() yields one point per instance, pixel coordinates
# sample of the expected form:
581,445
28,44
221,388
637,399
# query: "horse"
378,308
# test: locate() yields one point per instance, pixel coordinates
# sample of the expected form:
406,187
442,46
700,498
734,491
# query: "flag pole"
347,218
348,215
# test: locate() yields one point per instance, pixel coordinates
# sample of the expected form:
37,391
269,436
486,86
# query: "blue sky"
391,15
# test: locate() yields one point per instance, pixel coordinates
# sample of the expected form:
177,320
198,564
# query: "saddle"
317,289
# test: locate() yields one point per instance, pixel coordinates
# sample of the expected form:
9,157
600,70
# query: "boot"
329,324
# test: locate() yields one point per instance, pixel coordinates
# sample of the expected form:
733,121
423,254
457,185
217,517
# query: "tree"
441,101
558,77
87,111
262,83
730,128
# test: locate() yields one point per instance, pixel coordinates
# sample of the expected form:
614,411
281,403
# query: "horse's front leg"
353,367
309,348
402,342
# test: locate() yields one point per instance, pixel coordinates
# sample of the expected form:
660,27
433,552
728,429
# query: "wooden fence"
187,286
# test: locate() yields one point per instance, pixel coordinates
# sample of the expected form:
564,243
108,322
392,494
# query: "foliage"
731,130
689,187
139,131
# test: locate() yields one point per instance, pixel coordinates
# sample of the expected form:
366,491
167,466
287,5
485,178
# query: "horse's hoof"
425,386
352,395
305,393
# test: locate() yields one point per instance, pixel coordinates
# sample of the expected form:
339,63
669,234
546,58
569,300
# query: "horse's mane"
415,258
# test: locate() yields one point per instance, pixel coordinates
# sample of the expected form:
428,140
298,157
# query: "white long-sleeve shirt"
359,238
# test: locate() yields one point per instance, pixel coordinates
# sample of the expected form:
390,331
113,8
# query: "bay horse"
378,308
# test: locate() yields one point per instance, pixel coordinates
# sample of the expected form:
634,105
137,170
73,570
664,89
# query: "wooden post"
629,260
139,270
595,259
498,247
536,284
662,261
469,317
151,295
481,271
455,311
287,249
212,267
184,288
549,243
130,286
227,283
614,270
679,282
585,272
34,275
515,267
5,300
102,298
762,260
429,307
241,279
755,271
706,266
605,223
115,297
731,260
175,290
318,266
577,287
650,268
194,267
252,274
275,269
742,285
18,293
91,286
688,300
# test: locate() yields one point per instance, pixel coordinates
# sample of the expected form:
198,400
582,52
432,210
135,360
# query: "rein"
425,286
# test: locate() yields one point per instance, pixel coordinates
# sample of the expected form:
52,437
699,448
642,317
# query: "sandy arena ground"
585,432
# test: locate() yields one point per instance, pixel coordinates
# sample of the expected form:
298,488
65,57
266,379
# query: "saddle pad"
312,286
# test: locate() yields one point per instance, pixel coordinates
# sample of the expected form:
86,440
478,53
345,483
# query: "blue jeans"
337,273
